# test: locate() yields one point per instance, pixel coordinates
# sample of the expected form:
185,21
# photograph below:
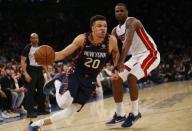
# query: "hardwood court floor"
166,107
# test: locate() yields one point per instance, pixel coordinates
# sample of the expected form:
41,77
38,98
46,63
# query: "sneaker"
116,119
131,119
5,115
8,114
31,128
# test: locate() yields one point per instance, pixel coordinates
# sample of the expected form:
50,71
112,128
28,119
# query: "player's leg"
65,99
99,89
98,106
49,86
136,73
67,112
133,90
117,88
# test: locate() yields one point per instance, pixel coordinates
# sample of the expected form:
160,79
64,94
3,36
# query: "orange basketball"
44,55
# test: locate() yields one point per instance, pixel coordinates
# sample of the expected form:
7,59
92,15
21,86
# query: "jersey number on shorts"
93,63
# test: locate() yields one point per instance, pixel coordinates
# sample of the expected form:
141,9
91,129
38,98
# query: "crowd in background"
57,24
172,68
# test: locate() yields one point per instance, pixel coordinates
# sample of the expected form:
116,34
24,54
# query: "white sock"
120,109
38,123
135,107
65,113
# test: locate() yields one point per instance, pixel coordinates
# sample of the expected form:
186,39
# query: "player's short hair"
122,4
96,18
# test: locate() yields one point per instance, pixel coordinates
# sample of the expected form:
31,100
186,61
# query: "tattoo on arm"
130,30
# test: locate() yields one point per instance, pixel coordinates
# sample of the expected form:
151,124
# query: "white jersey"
32,61
141,42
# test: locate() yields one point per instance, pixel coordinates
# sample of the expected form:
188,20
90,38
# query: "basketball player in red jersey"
144,58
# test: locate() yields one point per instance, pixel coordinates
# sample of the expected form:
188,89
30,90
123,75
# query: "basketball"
44,55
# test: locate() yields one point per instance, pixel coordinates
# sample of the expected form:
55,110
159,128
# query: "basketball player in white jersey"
144,58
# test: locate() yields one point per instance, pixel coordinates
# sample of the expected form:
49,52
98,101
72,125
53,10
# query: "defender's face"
121,13
99,28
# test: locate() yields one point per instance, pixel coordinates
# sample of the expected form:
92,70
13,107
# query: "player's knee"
117,81
57,84
117,84
131,78
65,101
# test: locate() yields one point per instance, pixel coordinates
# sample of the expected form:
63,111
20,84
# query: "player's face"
99,28
34,39
121,13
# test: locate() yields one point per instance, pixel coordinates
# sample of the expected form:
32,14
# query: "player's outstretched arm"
77,43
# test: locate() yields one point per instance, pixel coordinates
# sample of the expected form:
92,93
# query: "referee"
34,80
